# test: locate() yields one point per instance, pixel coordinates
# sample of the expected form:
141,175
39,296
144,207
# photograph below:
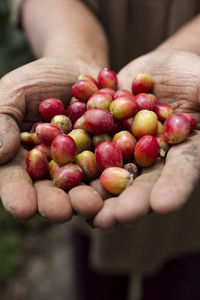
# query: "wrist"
185,39
74,66
84,58
71,30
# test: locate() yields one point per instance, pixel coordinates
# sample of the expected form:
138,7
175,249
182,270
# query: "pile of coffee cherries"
105,132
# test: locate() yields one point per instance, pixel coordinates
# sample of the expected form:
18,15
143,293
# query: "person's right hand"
21,92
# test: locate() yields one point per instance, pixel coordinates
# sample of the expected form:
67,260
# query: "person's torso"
135,27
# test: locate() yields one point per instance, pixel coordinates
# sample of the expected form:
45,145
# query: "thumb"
11,112
127,74
9,138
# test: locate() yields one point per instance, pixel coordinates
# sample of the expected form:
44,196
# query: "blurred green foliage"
14,52
14,48
10,253
12,234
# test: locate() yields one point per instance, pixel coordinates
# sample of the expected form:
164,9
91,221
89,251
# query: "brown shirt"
135,27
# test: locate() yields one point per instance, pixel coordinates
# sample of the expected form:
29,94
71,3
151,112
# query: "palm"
21,92
160,187
163,187
176,77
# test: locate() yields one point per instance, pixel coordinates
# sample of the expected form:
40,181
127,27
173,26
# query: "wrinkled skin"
161,188
21,92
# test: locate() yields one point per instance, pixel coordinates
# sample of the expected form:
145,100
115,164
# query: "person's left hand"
164,187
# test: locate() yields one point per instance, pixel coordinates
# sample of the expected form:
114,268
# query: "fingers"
9,138
16,190
105,218
22,201
53,203
85,201
128,73
133,203
179,176
96,185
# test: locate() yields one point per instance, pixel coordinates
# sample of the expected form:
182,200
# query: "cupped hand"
166,186
162,188
21,92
